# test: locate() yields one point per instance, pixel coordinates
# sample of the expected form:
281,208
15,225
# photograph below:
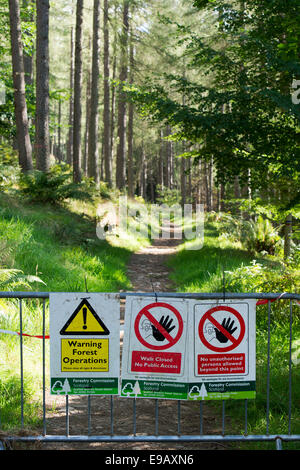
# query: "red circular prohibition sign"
154,322
234,341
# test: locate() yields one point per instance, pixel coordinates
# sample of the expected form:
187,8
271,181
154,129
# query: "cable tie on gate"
265,301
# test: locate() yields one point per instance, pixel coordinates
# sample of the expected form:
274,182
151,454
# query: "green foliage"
257,277
260,235
10,399
255,235
168,196
53,187
238,109
104,190
9,166
15,279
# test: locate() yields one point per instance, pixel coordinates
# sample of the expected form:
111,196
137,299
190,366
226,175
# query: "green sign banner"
81,386
154,389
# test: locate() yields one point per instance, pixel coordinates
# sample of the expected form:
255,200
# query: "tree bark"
59,151
106,100
93,156
28,59
199,186
130,125
77,94
207,187
24,144
161,159
113,95
71,102
121,168
183,181
211,184
87,123
42,141
288,229
143,177
168,162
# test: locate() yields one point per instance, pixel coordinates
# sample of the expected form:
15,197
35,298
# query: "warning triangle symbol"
84,321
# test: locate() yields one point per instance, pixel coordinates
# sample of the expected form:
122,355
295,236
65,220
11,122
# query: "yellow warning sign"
86,355
84,321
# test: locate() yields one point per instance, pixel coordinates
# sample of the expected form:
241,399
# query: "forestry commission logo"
152,221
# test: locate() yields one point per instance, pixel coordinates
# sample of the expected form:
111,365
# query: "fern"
14,279
260,235
53,187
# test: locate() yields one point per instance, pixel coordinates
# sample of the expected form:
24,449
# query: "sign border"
142,312
105,331
216,309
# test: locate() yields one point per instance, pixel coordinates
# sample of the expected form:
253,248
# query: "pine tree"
93,171
121,168
107,155
77,94
24,144
42,140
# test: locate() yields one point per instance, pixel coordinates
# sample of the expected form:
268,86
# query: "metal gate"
177,436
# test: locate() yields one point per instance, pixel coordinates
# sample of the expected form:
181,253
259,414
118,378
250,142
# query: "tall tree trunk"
28,59
71,102
165,161
59,152
237,188
161,159
211,184
207,187
199,186
24,144
42,141
222,197
77,94
171,163
112,112
87,123
113,94
288,229
143,174
130,124
107,156
183,180
93,156
121,168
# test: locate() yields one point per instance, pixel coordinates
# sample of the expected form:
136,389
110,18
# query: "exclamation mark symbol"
84,312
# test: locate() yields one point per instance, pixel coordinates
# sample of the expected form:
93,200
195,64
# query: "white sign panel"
84,343
224,363
154,361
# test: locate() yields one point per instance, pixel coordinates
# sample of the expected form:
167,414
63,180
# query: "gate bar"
151,438
185,295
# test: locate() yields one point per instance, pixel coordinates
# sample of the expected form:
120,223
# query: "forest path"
147,269
148,272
